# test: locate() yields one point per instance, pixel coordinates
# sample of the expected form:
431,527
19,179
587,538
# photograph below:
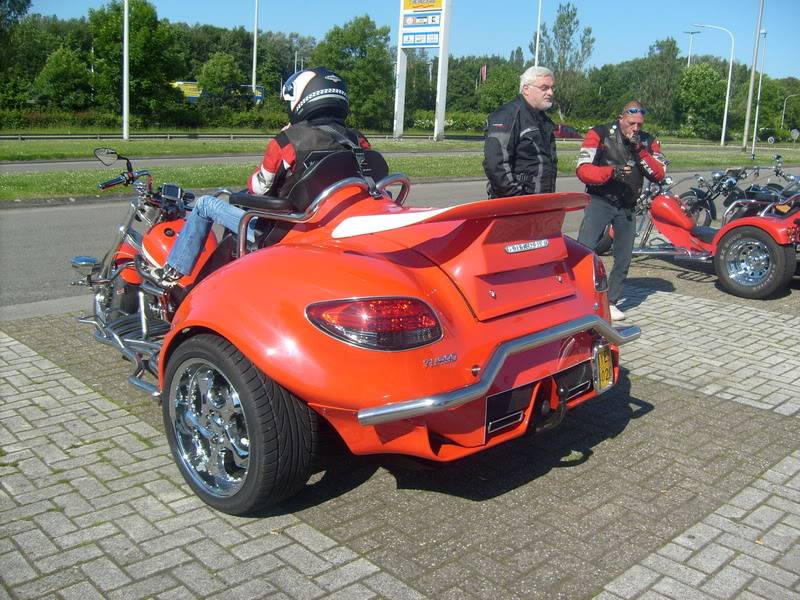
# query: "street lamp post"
783,114
255,47
691,39
730,72
752,76
538,26
758,97
125,75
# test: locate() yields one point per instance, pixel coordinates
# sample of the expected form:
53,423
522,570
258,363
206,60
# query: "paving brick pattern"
738,353
661,488
91,506
747,548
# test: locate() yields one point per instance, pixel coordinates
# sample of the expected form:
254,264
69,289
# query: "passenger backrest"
331,169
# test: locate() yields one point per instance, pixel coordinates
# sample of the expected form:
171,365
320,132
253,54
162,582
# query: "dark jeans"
596,217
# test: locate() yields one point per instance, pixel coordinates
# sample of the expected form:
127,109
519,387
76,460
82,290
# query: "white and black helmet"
315,93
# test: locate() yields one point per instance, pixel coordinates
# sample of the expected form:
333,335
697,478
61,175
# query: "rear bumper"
396,411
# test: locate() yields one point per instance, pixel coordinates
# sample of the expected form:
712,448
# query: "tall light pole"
255,47
752,76
758,98
691,39
730,72
783,114
538,27
125,75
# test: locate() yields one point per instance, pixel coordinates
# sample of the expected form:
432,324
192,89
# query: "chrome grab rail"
313,208
396,411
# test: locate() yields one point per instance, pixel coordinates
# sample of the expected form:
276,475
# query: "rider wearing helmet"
318,106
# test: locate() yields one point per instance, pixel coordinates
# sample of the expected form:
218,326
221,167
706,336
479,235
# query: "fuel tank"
668,209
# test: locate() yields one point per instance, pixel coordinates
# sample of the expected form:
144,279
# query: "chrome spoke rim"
210,428
748,262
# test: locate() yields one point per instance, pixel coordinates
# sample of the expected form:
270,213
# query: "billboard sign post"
423,24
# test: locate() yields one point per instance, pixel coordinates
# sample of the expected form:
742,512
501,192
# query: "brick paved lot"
683,482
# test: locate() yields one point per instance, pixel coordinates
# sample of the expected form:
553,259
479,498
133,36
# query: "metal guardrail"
194,136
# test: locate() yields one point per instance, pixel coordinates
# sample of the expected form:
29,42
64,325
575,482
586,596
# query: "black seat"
705,234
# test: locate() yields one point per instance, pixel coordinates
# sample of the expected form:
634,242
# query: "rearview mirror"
107,156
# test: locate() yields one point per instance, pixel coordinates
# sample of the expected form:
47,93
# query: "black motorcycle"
723,184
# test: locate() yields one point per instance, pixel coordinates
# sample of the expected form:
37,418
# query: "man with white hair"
520,148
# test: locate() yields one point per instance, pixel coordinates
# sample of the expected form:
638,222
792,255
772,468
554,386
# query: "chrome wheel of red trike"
240,440
210,427
748,261
751,264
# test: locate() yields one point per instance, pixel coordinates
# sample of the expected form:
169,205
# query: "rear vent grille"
576,380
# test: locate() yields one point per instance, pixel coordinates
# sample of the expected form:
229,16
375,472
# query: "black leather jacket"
615,152
520,151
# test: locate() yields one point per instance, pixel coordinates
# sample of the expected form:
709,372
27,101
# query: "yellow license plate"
604,369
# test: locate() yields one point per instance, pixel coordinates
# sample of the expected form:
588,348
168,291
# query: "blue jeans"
207,211
596,217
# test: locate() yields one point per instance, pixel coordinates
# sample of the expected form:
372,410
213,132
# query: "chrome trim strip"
396,411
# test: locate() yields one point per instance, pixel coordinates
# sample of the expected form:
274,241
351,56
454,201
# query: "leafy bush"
456,120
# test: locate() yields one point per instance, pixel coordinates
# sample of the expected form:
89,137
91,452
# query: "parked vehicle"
753,256
690,203
566,132
723,184
436,333
757,197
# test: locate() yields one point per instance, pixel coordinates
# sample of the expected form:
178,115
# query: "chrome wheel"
748,262
210,428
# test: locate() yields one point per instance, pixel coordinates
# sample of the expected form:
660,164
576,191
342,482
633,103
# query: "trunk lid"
504,255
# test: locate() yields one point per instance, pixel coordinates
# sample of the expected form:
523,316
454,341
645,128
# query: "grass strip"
61,184
28,150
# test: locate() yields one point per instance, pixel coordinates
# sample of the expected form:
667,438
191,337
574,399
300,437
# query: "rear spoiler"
482,209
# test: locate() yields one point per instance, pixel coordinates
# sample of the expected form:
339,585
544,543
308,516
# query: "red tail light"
600,278
378,323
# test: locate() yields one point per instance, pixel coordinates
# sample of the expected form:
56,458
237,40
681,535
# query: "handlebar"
123,179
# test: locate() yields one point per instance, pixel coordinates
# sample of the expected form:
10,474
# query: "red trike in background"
754,256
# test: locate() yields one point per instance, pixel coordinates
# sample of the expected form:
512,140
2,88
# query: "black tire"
751,264
775,187
606,242
278,433
697,209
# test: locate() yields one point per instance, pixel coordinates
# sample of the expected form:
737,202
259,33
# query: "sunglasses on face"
634,111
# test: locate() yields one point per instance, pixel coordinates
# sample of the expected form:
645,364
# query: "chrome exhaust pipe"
683,253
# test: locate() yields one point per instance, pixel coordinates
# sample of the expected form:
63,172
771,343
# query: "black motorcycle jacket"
604,147
520,151
296,149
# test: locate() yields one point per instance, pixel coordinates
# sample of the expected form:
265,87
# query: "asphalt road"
36,244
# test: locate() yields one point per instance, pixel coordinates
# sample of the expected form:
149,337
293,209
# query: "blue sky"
623,29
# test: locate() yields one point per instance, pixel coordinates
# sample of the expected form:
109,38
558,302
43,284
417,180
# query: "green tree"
700,99
64,81
566,49
420,81
501,85
220,74
155,59
359,52
11,11
659,79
